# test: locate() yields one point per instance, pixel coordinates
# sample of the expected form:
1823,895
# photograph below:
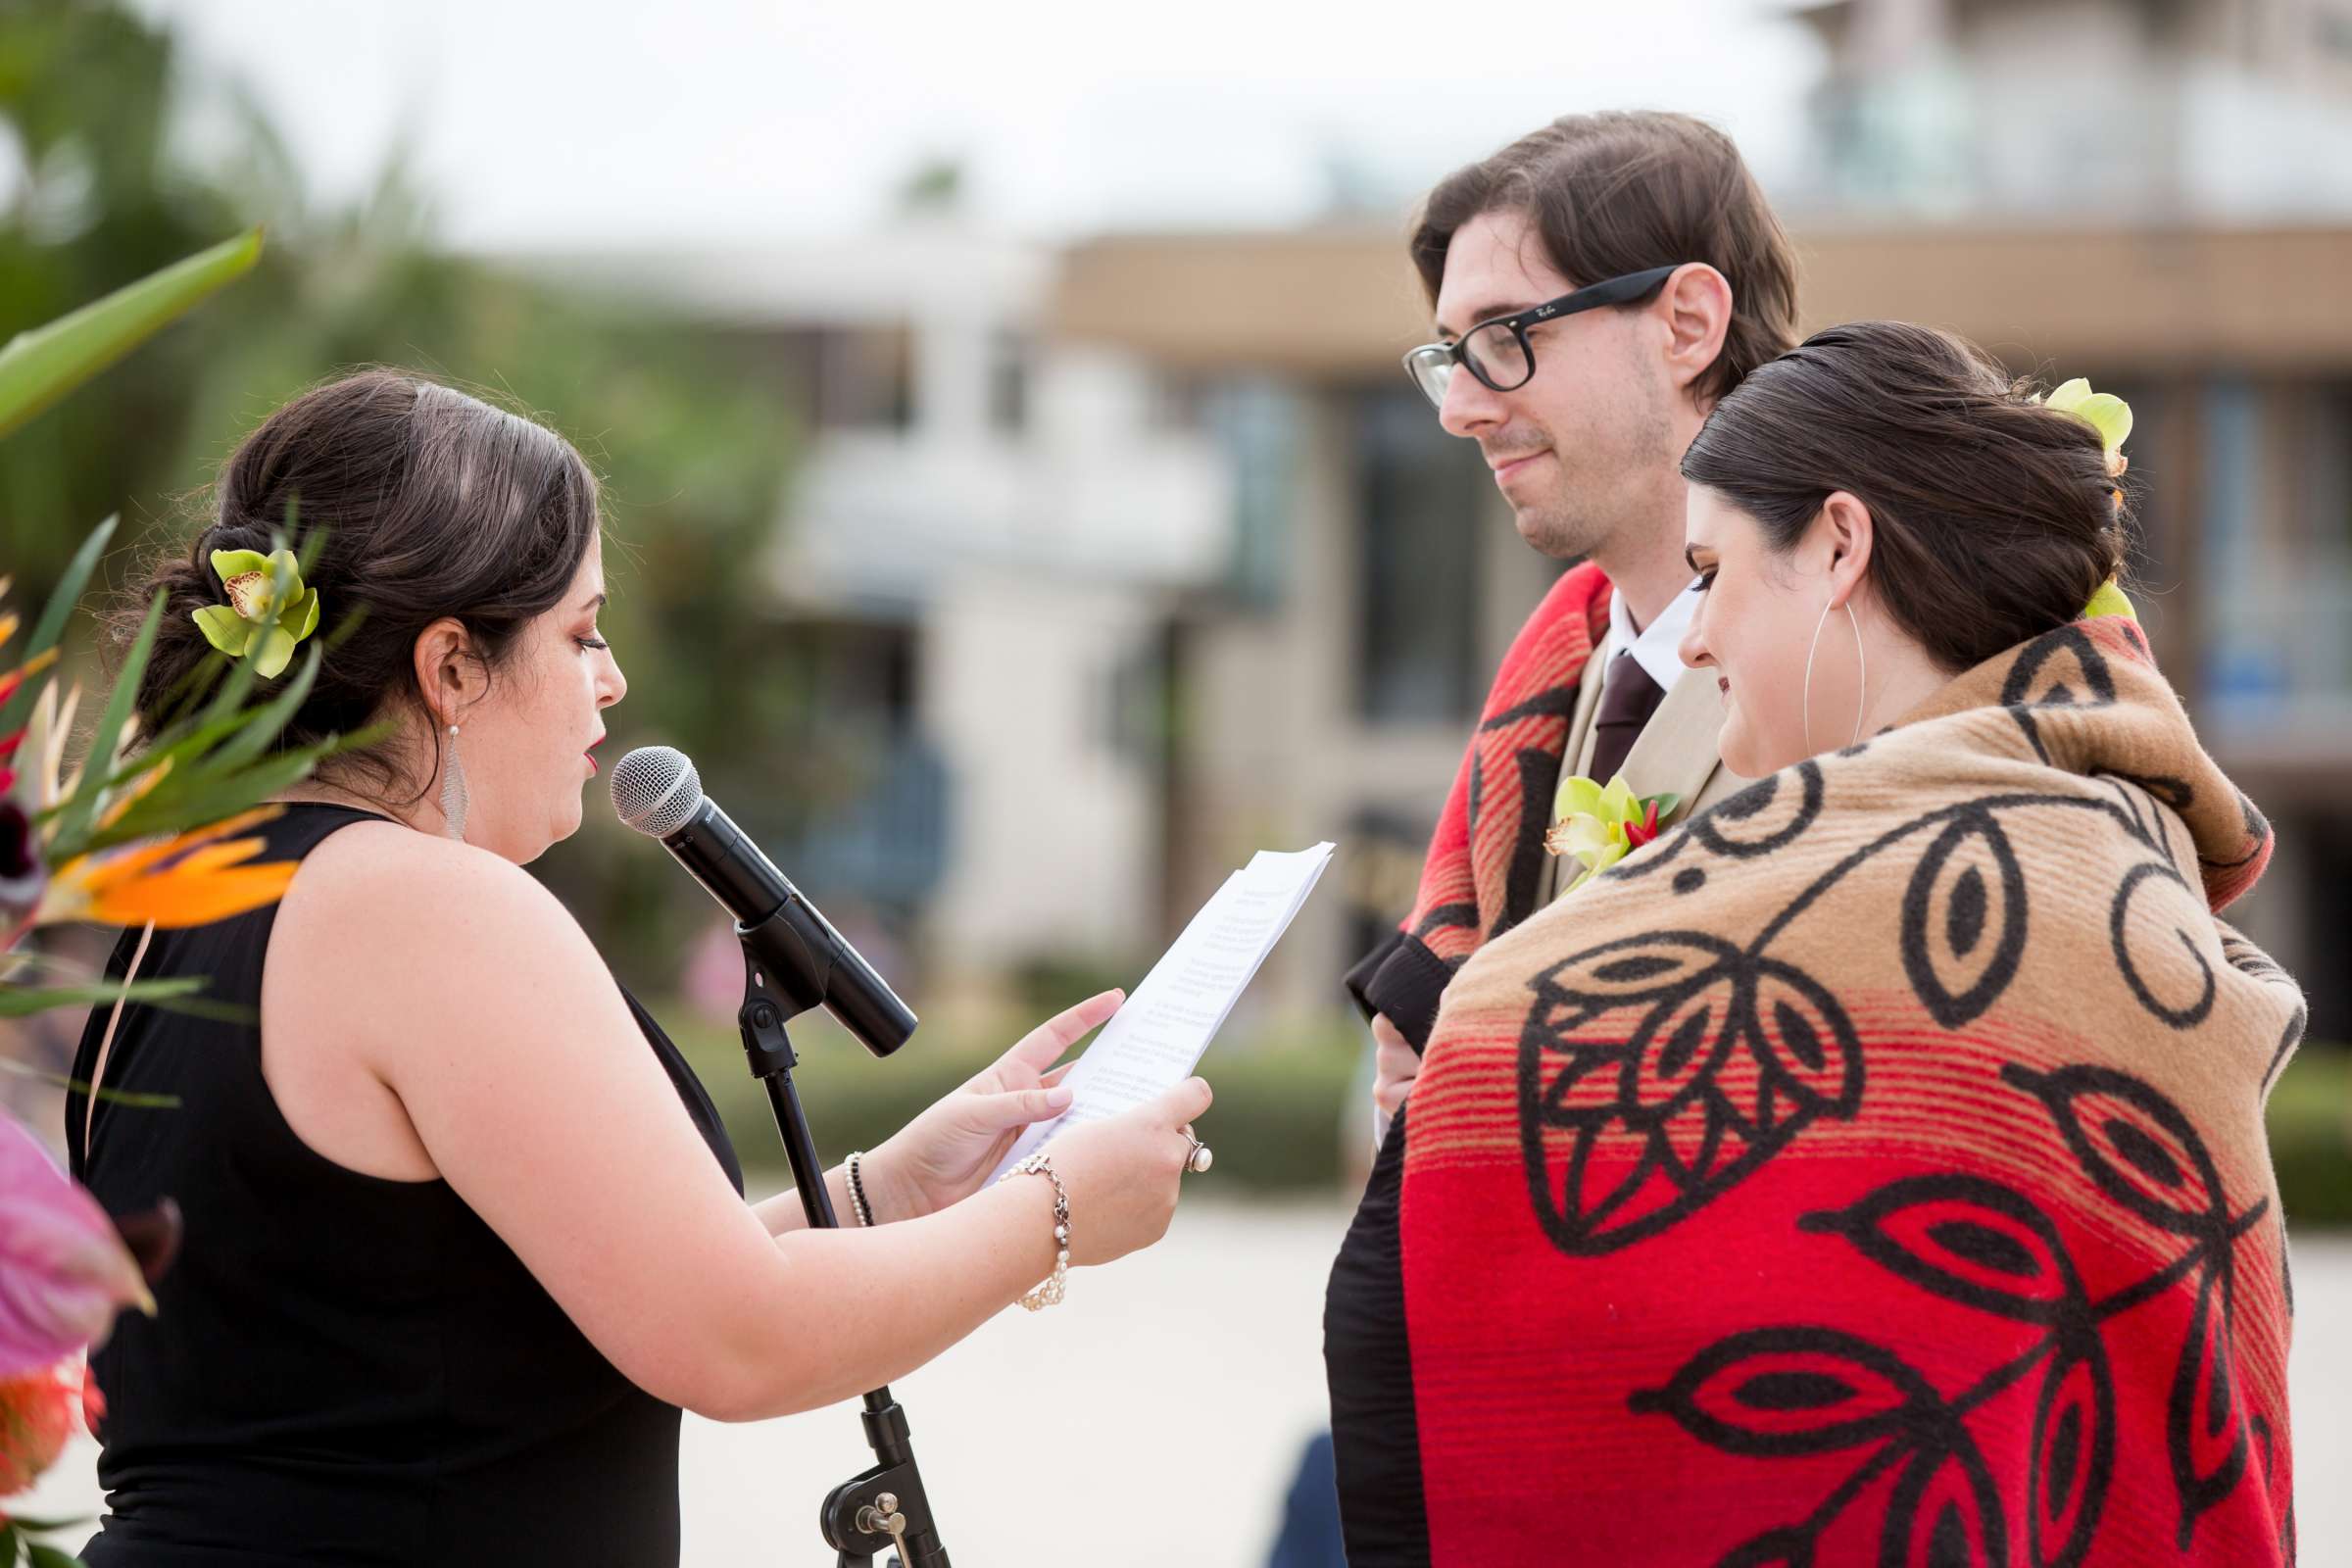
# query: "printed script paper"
1155,1040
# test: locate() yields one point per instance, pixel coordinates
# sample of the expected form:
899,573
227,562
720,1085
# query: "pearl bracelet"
1050,1292
859,1208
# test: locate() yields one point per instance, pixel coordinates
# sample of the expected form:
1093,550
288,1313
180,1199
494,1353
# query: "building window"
1007,383
864,378
2334,30
1420,493
1256,425
858,795
2240,673
1178,402
2277,557
2311,589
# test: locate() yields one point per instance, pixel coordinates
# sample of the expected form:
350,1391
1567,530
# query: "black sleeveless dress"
342,1369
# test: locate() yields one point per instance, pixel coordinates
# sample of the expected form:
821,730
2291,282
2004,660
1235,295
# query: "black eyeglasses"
1498,351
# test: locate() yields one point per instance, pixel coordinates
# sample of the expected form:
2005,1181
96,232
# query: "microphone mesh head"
656,789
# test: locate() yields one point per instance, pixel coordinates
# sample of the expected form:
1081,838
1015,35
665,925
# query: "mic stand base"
882,1508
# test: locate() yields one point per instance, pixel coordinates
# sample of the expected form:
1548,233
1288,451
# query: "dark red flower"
93,1400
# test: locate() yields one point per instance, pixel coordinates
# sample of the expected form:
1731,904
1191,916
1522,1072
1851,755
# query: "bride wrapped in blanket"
1873,1170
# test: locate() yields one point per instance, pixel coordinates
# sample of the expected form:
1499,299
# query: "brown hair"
1625,191
420,502
1995,518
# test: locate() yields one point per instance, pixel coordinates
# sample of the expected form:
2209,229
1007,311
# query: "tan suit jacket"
1674,755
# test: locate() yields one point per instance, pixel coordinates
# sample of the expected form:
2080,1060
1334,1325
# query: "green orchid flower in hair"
268,610
2104,413
2110,600
2111,416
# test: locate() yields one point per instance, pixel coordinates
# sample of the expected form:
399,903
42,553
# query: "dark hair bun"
421,502
1995,517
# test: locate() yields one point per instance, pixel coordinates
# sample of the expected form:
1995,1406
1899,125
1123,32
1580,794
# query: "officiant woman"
463,1234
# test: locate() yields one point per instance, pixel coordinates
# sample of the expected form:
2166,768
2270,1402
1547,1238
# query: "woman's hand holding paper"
943,1155
1123,1172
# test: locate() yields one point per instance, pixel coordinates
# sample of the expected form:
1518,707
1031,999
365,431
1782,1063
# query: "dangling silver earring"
453,797
1861,678
1861,672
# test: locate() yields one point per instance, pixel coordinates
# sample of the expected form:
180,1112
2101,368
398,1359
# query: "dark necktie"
1628,697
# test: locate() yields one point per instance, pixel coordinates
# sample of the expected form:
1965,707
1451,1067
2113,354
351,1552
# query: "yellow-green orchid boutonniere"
268,610
1597,826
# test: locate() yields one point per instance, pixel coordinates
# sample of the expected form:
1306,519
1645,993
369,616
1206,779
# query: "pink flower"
63,1271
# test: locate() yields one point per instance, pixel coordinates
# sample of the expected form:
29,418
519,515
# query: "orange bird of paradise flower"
191,878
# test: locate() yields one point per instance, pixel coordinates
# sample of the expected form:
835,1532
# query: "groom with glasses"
1603,283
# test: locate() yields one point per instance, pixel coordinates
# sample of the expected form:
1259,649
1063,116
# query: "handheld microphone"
657,791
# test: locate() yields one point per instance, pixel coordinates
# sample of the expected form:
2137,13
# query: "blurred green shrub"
1281,1092
2311,1136
1044,983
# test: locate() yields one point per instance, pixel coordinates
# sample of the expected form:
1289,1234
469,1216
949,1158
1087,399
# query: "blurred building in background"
1404,577
982,540
2157,196
2227,111
1142,555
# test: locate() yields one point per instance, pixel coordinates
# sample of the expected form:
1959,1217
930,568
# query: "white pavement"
1154,1420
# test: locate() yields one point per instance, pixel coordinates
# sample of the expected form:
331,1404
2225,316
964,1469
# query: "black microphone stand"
883,1507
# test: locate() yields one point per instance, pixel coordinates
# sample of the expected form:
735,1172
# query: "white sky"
539,122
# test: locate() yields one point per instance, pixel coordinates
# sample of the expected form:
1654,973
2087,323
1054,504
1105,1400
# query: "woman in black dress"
463,1232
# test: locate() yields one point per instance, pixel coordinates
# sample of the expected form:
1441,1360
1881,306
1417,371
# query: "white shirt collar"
1654,647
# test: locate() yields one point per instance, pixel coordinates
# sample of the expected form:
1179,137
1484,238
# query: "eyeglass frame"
1623,289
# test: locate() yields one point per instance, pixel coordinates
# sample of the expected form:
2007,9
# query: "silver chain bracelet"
1050,1292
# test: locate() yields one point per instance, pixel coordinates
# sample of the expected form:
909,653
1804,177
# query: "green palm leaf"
52,624
41,366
